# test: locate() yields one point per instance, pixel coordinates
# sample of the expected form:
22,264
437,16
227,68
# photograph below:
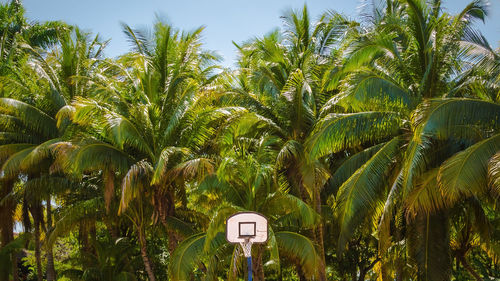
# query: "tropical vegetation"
371,145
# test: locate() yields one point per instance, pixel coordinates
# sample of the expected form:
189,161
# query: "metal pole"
249,262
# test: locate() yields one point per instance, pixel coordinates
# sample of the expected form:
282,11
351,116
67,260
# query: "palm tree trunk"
144,253
169,211
7,223
51,272
300,273
109,187
319,236
36,220
83,237
113,232
469,268
257,265
15,276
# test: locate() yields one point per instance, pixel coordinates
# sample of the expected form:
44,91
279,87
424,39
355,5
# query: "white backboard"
244,226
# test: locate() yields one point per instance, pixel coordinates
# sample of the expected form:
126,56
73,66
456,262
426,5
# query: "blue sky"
224,20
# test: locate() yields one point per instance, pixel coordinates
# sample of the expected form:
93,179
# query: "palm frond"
477,9
98,156
42,152
300,249
7,150
81,211
376,92
163,163
465,173
349,167
189,253
337,132
31,116
445,118
425,198
494,172
292,208
134,183
359,196
186,256
12,166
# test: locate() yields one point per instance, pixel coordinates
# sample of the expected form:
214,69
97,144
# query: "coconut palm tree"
30,127
408,60
148,126
281,81
234,187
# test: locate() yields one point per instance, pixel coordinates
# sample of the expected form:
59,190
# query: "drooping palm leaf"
300,249
465,173
336,132
445,118
358,197
31,116
494,171
349,167
189,254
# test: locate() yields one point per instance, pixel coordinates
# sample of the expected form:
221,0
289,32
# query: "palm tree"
30,127
16,30
109,263
409,59
148,125
234,187
281,80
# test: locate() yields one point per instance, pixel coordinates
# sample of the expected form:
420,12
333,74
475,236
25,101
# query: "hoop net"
247,248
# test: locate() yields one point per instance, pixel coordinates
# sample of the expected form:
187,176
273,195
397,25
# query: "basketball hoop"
246,228
247,248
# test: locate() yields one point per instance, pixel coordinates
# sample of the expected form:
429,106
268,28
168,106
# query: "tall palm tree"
281,80
30,127
409,59
148,120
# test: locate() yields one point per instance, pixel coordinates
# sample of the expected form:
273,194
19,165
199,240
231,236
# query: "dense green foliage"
372,147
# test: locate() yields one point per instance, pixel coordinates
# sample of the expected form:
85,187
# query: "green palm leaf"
123,132
31,117
42,152
465,173
164,162
300,249
337,132
494,172
189,253
424,198
7,150
349,167
292,208
374,92
134,183
359,196
98,156
445,118
12,166
186,256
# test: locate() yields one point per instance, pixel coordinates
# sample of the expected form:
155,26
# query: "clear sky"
224,20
